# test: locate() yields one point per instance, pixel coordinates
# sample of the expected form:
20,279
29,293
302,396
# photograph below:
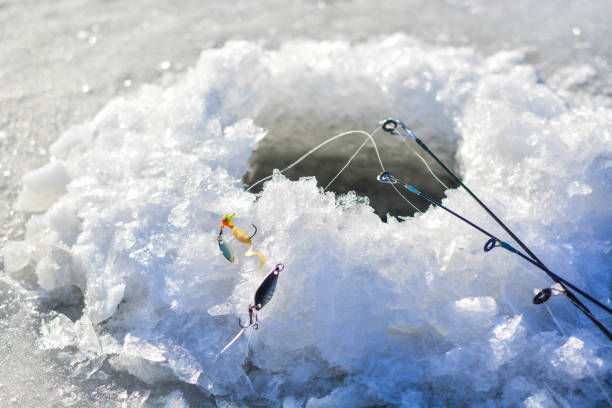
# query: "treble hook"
252,324
254,232
220,235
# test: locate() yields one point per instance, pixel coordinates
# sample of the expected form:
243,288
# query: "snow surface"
365,313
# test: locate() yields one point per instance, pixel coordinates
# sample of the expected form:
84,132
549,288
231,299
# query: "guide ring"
542,296
389,125
492,243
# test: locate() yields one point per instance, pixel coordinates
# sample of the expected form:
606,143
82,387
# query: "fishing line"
311,151
381,166
331,139
554,318
365,141
405,199
424,162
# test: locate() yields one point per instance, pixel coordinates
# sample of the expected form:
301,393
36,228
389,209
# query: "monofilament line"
311,151
324,143
424,162
365,141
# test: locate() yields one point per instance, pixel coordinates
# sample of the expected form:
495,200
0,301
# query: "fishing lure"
241,236
263,295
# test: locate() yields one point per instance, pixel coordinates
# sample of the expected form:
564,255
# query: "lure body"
226,249
241,236
264,293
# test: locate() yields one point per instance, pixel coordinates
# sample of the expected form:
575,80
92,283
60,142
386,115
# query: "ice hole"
292,135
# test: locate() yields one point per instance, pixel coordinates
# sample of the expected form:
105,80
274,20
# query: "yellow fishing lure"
241,236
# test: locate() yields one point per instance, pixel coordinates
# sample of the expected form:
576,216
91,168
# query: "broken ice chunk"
42,187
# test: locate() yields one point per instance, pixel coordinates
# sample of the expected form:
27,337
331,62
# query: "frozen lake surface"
135,126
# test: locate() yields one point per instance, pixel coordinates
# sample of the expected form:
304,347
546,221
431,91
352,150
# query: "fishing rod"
391,126
493,242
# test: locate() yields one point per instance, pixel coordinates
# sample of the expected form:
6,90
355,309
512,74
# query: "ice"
59,333
576,359
578,188
137,347
540,399
366,313
508,340
42,187
156,363
176,400
17,255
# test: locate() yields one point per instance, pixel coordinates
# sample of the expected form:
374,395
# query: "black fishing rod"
391,125
542,296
